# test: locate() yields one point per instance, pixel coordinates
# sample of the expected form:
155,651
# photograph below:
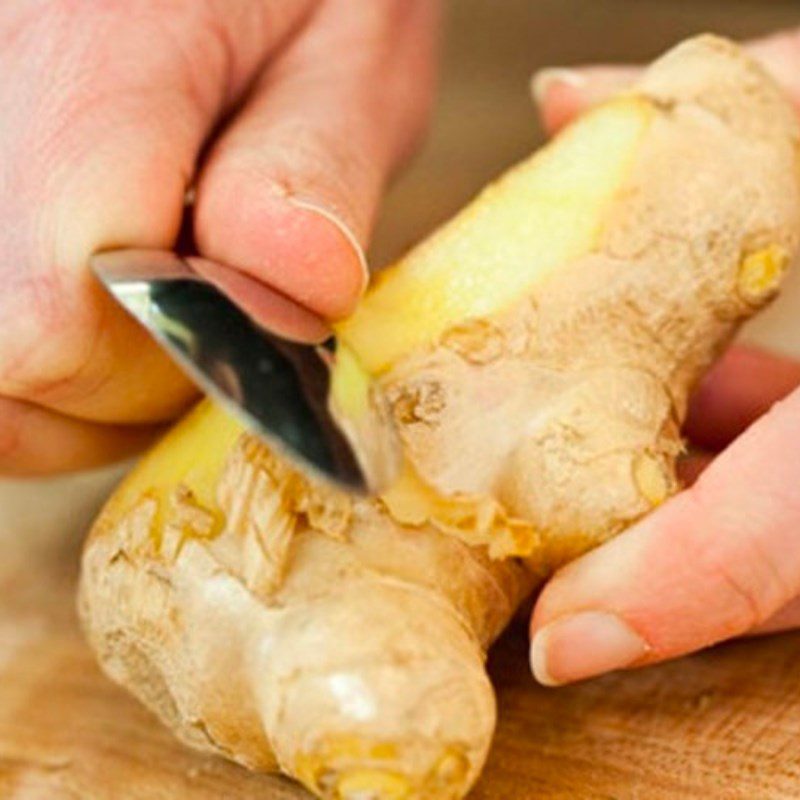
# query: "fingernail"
582,646
272,310
344,228
545,79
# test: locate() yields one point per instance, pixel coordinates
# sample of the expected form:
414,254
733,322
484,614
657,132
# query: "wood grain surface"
723,725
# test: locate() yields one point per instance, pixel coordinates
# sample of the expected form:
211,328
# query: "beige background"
721,725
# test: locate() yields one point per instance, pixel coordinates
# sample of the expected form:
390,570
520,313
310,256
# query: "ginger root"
537,354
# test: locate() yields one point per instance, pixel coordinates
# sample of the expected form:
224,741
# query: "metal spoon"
280,389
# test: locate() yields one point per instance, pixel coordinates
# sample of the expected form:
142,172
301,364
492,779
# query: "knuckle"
10,430
745,592
47,343
734,555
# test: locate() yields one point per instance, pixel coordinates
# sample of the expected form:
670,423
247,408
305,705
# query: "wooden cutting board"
724,725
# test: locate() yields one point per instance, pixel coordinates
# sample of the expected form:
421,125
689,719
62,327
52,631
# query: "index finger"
562,94
714,562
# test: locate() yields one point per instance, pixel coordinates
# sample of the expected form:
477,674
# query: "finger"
741,387
104,112
291,188
285,318
714,562
35,441
692,466
787,619
561,94
780,54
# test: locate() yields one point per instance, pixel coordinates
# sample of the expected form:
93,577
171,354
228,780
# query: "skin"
270,108
107,158
720,559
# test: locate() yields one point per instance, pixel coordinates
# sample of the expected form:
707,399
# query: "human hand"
302,109
722,558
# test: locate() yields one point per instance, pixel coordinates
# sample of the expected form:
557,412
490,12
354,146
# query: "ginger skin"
537,354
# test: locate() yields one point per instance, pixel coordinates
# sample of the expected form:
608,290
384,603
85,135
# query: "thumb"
105,109
716,561
562,94
291,188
